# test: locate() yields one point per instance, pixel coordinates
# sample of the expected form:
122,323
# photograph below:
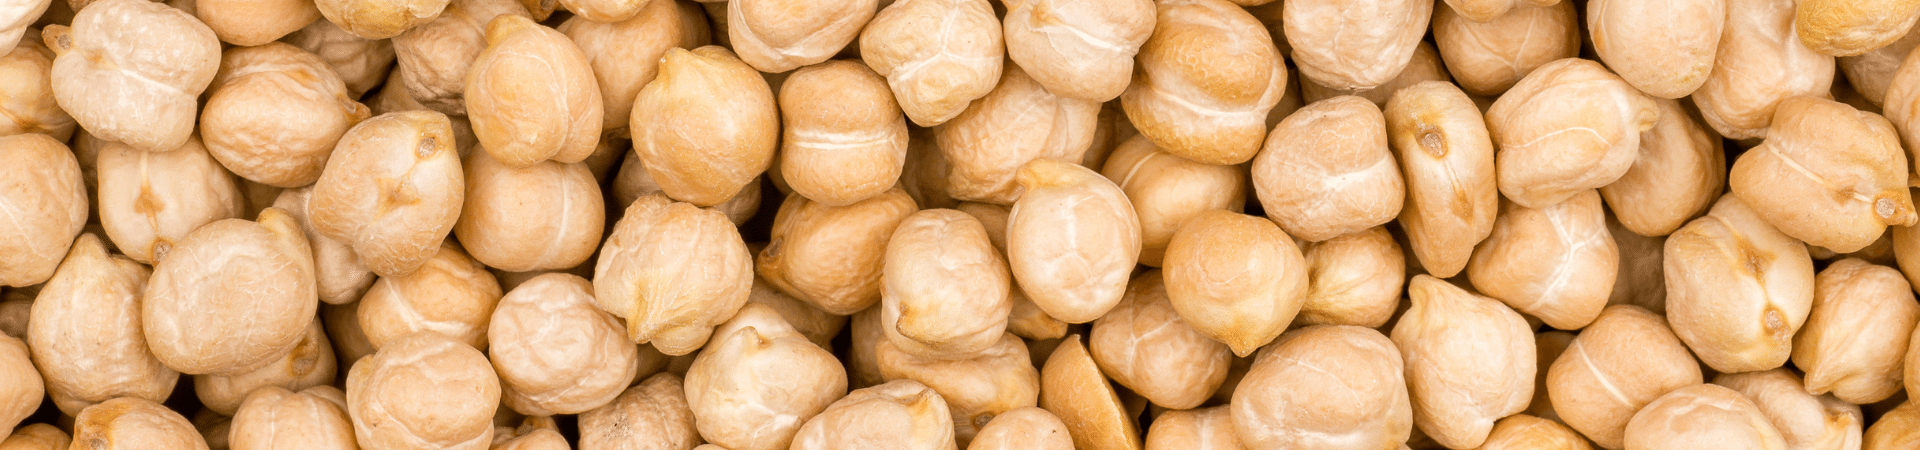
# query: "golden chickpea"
1209,76
339,275
1665,49
1679,171
274,417
1899,428
1441,142
435,57
938,56
625,54
1027,428
532,96
37,436
1540,161
1078,50
999,381
392,190
1487,54
1863,315
44,184
1332,148
759,381
86,334
1072,240
1701,415
1144,345
1556,263
1166,190
1354,279
1737,288
1827,174
424,389
1621,362
129,423
556,352
1199,429
1073,388
843,139
1423,67
1236,278
832,257
651,415
1804,419
1354,44
634,182
705,126
901,414
149,201
546,216
673,271
131,71
1758,65
253,22
1851,28
985,147
1324,386
451,294
380,19
944,286
361,63
1470,361
231,297
780,35
30,106
310,364
23,388
1524,432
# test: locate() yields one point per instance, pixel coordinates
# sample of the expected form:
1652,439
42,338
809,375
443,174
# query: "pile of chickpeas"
959,224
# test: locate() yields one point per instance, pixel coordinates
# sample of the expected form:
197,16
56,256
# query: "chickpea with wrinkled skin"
1027,428
1851,28
380,19
1209,74
149,201
1557,263
131,71
37,436
1235,278
935,73
85,329
1167,190
1618,364
1805,420
1336,148
531,95
996,382
451,294
311,363
1199,429
1899,428
1354,44
16,17
1423,67
1079,50
547,216
29,105
634,182
556,352
673,271
23,388
129,423
231,297
1470,361
273,417
435,57
1324,386
759,380
361,63
1540,162
1441,142
1524,432
1827,174
1871,73
1488,54
625,54
943,286
650,415
423,390
339,274
1019,122
818,325
1354,279
1759,64
1073,388
776,36
1862,317
705,126
1676,176
1143,344
250,23
45,186
1738,290
843,139
1701,415
393,190
1664,49
901,414
1072,240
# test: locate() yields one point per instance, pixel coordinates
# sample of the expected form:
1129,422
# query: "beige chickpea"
1871,73
451,294
37,436
311,363
1827,174
625,54
1899,428
398,100
1442,145
339,275
901,414
1701,415
1423,67
1569,126
1851,28
1556,263
131,71
531,95
435,57
380,19
1524,432
1072,240
605,10
128,423
1166,190
1354,44
1019,122
534,433
1143,344
1075,49
231,297
1027,428
1209,76
705,126
1665,49
759,380
1737,289
1487,54
30,106
1758,65
1616,365
843,138
23,388
45,186
1642,277
1073,388
1805,420
1354,279
1236,278
650,415
1677,174
1324,386
832,257
634,182
780,35
423,390
274,417
546,216
938,55
1862,318
254,22
85,328
1470,361
673,271
361,63
149,201
16,18
392,190
943,286
817,325
999,381
557,353
1336,148
1198,429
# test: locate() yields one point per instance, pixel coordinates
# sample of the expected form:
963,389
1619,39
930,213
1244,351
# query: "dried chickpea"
1354,279
339,275
705,126
938,55
1665,49
634,182
1524,432
128,423
1208,77
1079,50
999,381
531,95
986,146
673,271
545,216
943,286
37,436
534,433
1827,174
1324,386
1072,240
380,19
16,18
1569,126
1423,67
1026,428
1332,148
1872,73
652,415
1737,289
1677,174
605,10
423,390
1198,429
254,22
392,190
1235,278
1166,190
232,297
1621,362
556,352
1073,388
832,257
1805,420
29,105
21,388
1899,428
274,417
1841,28
1556,263
818,325
1487,54
1470,361
310,364
843,139
44,185
131,71
625,54
901,414
776,36
1143,344
759,380
361,63
1862,318
435,57
1354,44
1442,145
1701,416
1759,64
151,200
451,294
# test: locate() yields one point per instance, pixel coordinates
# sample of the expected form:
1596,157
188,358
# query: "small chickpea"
901,414
531,95
705,126
650,415
1871,73
274,417
435,57
673,271
556,352
136,87
634,182
451,294
1354,279
129,423
833,256
1678,173
423,389
818,325
1618,364
45,185
1236,278
1025,428
231,297
339,274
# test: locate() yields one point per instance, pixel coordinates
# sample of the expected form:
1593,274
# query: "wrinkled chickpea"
274,417
1556,263
705,126
393,190
1423,67
756,384
1354,279
1167,190
1354,44
944,286
1470,361
1079,50
29,105
901,414
131,71
1862,316
546,216
625,54
1701,415
1738,289
231,297
1618,364
451,294
1026,428
935,74
650,415
1209,74
1804,419
1072,240
1569,126
149,201
423,390
129,423
1324,386
1144,345
1758,65
1235,278
634,182
556,352
1488,54
985,147
673,271
1332,148
1677,174
531,95
994,382
380,19
37,436
86,328
780,35
45,185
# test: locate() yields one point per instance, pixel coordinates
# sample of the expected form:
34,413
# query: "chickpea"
865,337
149,201
361,63
1354,44
1523,432
1758,65
651,415
310,364
452,295
1852,343
1701,415
1144,345
1675,177
1209,76
1470,361
935,73
23,388
1424,66
535,433
1738,290
87,331
252,22
1487,54
37,436
985,147
16,17
901,414
755,385
1354,279
673,271
1899,428
843,139
1826,174
1324,386
1444,150
547,216
531,95
556,352
275,113
1872,73
231,297
30,106
436,56
1078,50
1540,162
634,182
1073,388
273,417
1348,143
1665,49
780,35
1079,277
705,126
1618,364
1557,263
1167,190
1850,28
339,274
1023,428
45,186
392,191
137,87
380,19
625,54
605,10
1236,278
944,286
1804,419
423,389
999,381
1198,429
128,423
